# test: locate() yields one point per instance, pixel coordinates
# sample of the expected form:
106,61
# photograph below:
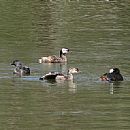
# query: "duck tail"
42,60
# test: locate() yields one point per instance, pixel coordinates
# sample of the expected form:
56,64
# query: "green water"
97,34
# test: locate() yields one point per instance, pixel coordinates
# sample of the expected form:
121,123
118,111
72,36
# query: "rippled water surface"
97,34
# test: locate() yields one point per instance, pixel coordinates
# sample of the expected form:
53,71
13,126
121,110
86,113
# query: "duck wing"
115,77
17,70
26,70
54,59
51,76
119,77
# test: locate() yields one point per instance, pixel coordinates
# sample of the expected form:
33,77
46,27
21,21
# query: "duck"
55,59
20,69
113,75
60,76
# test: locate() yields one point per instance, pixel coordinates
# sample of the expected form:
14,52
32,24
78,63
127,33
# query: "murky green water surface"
96,32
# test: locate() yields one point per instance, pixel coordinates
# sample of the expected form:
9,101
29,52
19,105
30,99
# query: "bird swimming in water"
55,59
20,69
60,76
113,75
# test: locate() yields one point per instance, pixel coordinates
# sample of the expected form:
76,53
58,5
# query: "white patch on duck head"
65,50
111,71
73,70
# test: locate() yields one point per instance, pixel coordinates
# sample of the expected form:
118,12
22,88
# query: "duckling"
20,69
54,59
60,76
113,75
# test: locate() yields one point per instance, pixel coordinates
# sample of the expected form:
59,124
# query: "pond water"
97,34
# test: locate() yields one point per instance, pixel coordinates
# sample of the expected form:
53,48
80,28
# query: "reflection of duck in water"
54,59
20,69
60,76
113,75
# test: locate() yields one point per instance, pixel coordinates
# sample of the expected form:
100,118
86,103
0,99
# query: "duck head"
16,63
114,71
64,51
73,70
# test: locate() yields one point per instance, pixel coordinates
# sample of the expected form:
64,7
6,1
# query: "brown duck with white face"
60,76
55,59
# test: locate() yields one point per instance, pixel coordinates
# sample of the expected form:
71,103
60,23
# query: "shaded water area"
97,32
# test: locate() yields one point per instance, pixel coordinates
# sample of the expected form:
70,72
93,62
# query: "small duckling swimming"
113,75
60,76
54,59
20,69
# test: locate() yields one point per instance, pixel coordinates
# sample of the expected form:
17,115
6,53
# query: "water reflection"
111,89
71,86
114,87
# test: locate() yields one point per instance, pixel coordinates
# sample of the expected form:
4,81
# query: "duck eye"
77,69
